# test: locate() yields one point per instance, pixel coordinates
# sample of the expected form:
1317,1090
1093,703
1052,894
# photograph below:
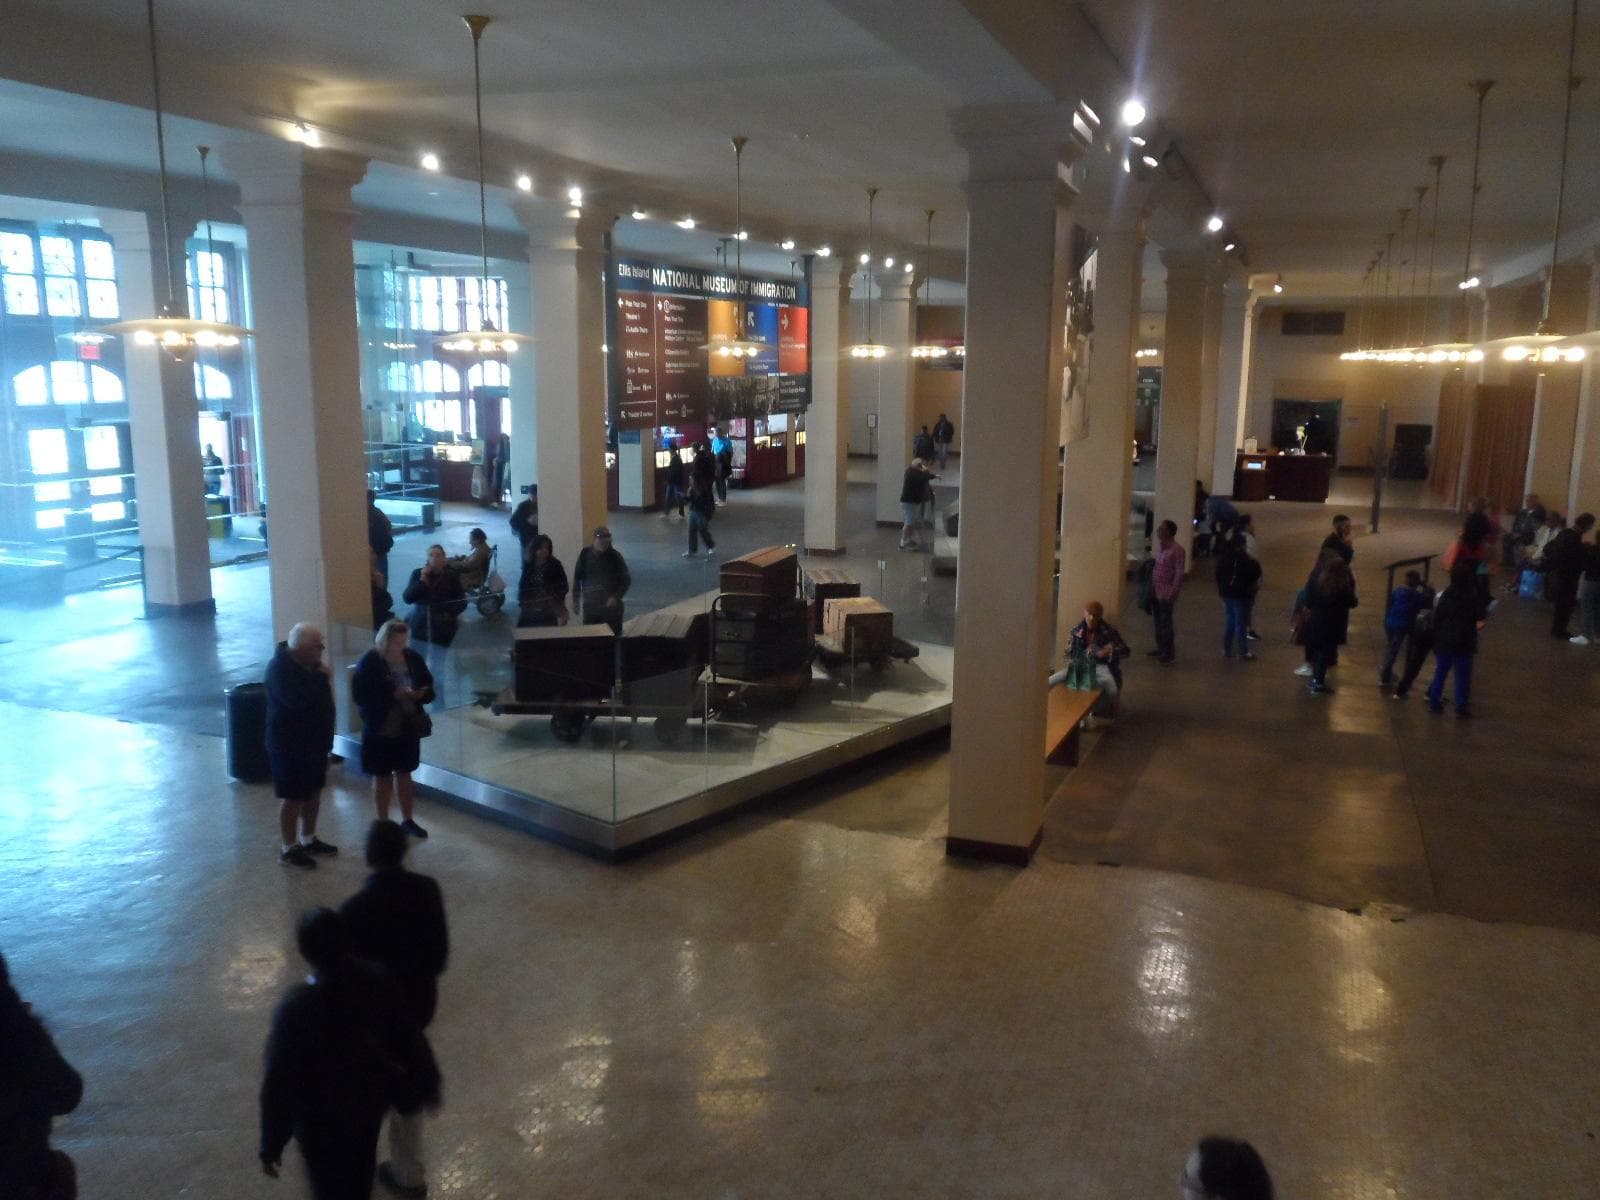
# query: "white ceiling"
1307,124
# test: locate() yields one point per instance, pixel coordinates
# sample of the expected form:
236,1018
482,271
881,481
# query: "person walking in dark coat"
1330,595
943,434
300,719
437,600
599,582
677,483
542,590
37,1085
380,534
1458,615
1563,559
397,921
702,507
525,519
344,1049
390,686
1342,540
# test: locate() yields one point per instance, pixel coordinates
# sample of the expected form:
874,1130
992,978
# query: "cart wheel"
670,729
491,603
568,727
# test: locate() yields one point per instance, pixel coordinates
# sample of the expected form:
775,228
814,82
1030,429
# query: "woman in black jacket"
390,686
542,590
1458,614
437,600
1238,579
1330,595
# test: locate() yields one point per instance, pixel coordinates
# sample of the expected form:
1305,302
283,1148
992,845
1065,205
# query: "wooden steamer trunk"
773,573
563,663
860,626
824,584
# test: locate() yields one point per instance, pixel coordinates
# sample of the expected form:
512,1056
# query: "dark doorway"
1321,421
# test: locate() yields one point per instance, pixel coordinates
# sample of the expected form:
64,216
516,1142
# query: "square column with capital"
566,269
1557,394
168,475
300,221
1182,375
1018,258
1210,359
1233,387
828,418
895,328
1583,484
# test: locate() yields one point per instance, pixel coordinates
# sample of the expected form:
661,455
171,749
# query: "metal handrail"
1427,569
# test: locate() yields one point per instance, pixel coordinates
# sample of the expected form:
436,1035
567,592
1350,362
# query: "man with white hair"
300,721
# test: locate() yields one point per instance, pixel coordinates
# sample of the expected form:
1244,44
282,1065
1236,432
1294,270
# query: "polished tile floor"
810,1000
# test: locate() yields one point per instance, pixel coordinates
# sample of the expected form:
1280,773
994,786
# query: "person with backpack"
1399,621
380,534
702,507
1238,580
1459,614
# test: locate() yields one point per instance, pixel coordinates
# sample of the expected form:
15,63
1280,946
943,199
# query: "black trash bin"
246,710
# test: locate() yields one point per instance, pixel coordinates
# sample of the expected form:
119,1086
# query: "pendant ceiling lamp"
172,328
738,346
487,340
924,348
869,348
1544,345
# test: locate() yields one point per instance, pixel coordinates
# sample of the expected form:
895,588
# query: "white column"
1583,487
1179,436
300,222
828,418
163,422
895,328
1247,353
567,270
1231,370
1556,394
1097,475
1018,243
1210,360
524,421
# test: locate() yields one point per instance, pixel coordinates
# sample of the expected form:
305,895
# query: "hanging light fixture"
927,349
869,348
179,334
487,340
739,346
1544,345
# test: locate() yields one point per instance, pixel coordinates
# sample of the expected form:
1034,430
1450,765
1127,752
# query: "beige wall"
933,390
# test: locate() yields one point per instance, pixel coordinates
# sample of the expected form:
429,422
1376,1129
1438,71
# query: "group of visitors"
1547,557
599,582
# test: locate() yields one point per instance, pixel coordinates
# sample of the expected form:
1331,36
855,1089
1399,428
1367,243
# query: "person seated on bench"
1098,640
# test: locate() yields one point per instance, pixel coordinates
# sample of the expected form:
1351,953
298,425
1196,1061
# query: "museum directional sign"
666,314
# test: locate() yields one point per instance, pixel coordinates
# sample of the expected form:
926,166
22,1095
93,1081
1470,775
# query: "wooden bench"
1064,712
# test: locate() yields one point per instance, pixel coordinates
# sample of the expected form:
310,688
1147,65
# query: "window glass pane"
219,304
210,268
47,451
452,379
395,377
22,295
101,485
108,510
98,260
16,253
107,386
51,518
28,387
212,384
68,383
450,302
43,492
59,256
101,449
61,297
103,298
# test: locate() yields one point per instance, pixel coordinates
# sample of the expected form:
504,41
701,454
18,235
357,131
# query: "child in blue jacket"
1399,621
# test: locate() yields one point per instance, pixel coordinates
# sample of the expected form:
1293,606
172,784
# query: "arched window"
488,374
66,381
211,384
436,378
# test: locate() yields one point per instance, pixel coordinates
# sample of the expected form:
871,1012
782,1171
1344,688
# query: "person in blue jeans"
1404,605
1238,578
1458,615
702,505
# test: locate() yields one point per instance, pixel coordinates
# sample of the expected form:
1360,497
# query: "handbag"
1297,626
1531,585
1080,672
418,723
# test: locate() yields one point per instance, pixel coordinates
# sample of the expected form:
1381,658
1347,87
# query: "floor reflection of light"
252,973
571,1098
1164,979
859,919
1361,1001
687,976
733,1070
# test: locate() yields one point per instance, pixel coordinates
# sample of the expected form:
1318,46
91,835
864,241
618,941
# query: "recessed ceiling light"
575,194
430,161
824,251
525,183
786,244
887,263
1148,160
639,214
1136,140
1213,224
743,235
909,267
686,223
1132,111
865,259
1230,247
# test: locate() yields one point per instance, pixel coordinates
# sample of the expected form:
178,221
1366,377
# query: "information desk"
1304,477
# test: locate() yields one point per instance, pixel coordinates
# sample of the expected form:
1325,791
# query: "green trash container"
245,708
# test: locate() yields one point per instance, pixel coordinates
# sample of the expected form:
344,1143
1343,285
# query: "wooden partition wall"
1481,448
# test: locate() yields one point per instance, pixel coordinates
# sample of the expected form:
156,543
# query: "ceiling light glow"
1132,112
524,183
429,161
575,194
786,244
824,251
1214,224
